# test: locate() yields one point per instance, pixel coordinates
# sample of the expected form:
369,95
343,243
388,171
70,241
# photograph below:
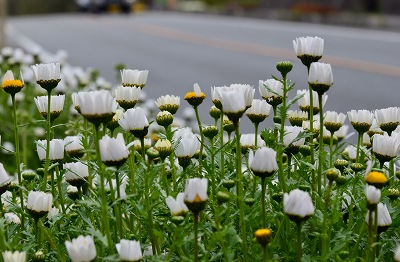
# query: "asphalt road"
182,49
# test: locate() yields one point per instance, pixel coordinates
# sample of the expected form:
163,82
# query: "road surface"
182,49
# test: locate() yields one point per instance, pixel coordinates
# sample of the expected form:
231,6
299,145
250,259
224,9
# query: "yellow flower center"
12,83
191,95
264,232
197,199
376,177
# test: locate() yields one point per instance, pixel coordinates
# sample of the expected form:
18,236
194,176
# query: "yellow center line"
263,50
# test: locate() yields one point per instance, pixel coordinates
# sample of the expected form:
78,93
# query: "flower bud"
263,236
284,67
250,201
332,174
39,256
222,197
357,167
164,118
215,112
210,131
341,164
228,184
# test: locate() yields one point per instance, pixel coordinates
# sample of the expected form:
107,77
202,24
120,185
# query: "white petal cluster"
351,151
123,93
134,119
270,88
305,100
248,140
373,195
385,145
134,77
56,103
320,73
129,250
361,116
397,254
168,100
113,149
4,177
45,72
73,143
297,114
342,132
177,206
234,99
12,218
334,117
39,201
76,170
187,147
196,190
264,161
96,102
298,203
81,249
387,115
16,256
384,219
291,134
9,75
312,46
56,149
259,107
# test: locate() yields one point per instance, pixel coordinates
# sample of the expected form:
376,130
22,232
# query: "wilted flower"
113,151
385,148
76,173
177,207
264,162
168,103
361,120
134,78
196,97
388,119
129,250
320,77
308,49
96,106
127,97
196,196
11,85
16,256
134,120
56,105
258,111
81,249
56,153
39,203
298,205
271,90
47,75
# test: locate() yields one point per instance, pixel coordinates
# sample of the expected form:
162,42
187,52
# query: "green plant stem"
263,211
391,172
17,160
48,138
321,145
281,175
196,240
359,141
60,193
312,157
240,193
265,252
171,158
118,207
324,236
331,150
37,233
360,236
201,139
149,209
104,205
213,181
221,141
299,243
289,165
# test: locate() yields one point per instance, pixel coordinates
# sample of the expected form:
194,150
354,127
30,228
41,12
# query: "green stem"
213,183
312,157
331,150
196,240
324,236
221,142
289,165
263,211
240,193
359,141
60,193
171,159
118,207
201,139
37,233
391,172
360,236
321,145
299,243
48,138
281,175
265,251
104,205
17,160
